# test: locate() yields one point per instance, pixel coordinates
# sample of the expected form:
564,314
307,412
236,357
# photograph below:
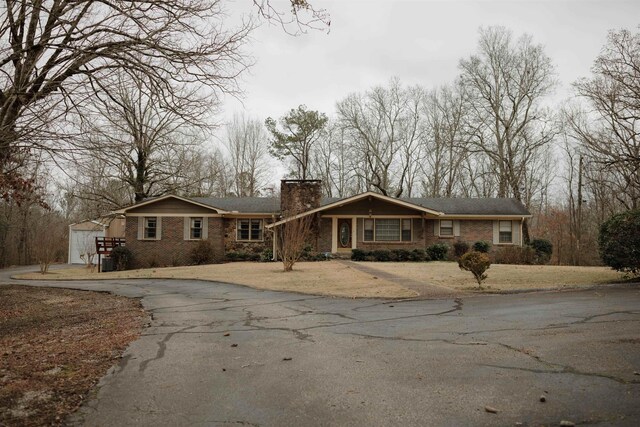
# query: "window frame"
440,228
146,228
500,233
192,228
249,229
374,231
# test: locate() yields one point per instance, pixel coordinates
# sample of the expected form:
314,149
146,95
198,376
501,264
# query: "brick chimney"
299,195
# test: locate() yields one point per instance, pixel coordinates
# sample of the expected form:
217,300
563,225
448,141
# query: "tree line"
123,132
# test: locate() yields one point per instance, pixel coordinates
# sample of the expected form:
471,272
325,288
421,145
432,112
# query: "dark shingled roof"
448,206
471,206
242,204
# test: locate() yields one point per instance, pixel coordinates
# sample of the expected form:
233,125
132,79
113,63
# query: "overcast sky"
419,41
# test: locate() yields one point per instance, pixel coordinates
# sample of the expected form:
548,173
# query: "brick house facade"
165,231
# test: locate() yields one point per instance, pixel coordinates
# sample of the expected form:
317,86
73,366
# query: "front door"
344,233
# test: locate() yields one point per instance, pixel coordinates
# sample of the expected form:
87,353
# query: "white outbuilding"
82,236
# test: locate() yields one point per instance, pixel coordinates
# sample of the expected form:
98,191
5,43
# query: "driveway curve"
219,355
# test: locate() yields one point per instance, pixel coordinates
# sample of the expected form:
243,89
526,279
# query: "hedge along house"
164,231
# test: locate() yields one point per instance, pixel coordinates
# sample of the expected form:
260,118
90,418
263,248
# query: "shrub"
358,255
619,242
515,255
460,248
418,255
482,246
202,253
477,263
437,252
266,255
381,255
543,249
402,255
122,258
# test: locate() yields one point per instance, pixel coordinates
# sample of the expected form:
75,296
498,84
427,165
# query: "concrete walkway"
424,290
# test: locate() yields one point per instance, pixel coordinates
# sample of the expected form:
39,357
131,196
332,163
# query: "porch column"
354,232
334,235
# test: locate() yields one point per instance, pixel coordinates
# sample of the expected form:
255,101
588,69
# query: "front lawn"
330,278
502,277
343,279
55,344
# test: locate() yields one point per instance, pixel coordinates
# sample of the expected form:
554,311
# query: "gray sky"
419,42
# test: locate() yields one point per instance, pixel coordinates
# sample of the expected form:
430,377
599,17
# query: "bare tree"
444,143
384,128
248,149
53,53
610,131
141,139
292,237
506,82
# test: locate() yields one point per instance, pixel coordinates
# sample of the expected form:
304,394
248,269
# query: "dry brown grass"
329,278
55,344
334,278
502,277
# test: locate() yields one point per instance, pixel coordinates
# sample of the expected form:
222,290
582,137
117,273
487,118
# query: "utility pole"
579,219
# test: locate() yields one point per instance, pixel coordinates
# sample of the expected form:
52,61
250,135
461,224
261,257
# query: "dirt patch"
329,278
55,344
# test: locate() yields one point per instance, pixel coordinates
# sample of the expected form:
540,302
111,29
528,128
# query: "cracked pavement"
370,362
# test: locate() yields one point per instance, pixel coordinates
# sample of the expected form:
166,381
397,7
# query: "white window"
387,230
446,228
506,232
150,227
249,230
195,231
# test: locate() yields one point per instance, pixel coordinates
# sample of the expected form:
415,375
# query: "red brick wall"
232,245
470,231
324,235
171,249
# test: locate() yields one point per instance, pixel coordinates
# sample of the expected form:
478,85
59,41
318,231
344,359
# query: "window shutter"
436,227
515,232
140,227
205,228
159,230
456,228
186,228
496,232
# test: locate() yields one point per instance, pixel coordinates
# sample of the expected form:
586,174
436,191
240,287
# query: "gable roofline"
169,196
355,198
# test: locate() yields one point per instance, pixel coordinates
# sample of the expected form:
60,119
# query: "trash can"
107,264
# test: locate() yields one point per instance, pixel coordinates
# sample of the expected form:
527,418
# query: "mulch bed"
55,344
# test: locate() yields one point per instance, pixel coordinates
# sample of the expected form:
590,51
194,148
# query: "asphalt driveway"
222,355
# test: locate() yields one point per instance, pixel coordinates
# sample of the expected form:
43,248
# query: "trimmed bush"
619,242
482,246
402,255
381,255
460,248
543,249
242,256
202,253
515,255
418,255
437,252
122,258
266,255
358,255
477,263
